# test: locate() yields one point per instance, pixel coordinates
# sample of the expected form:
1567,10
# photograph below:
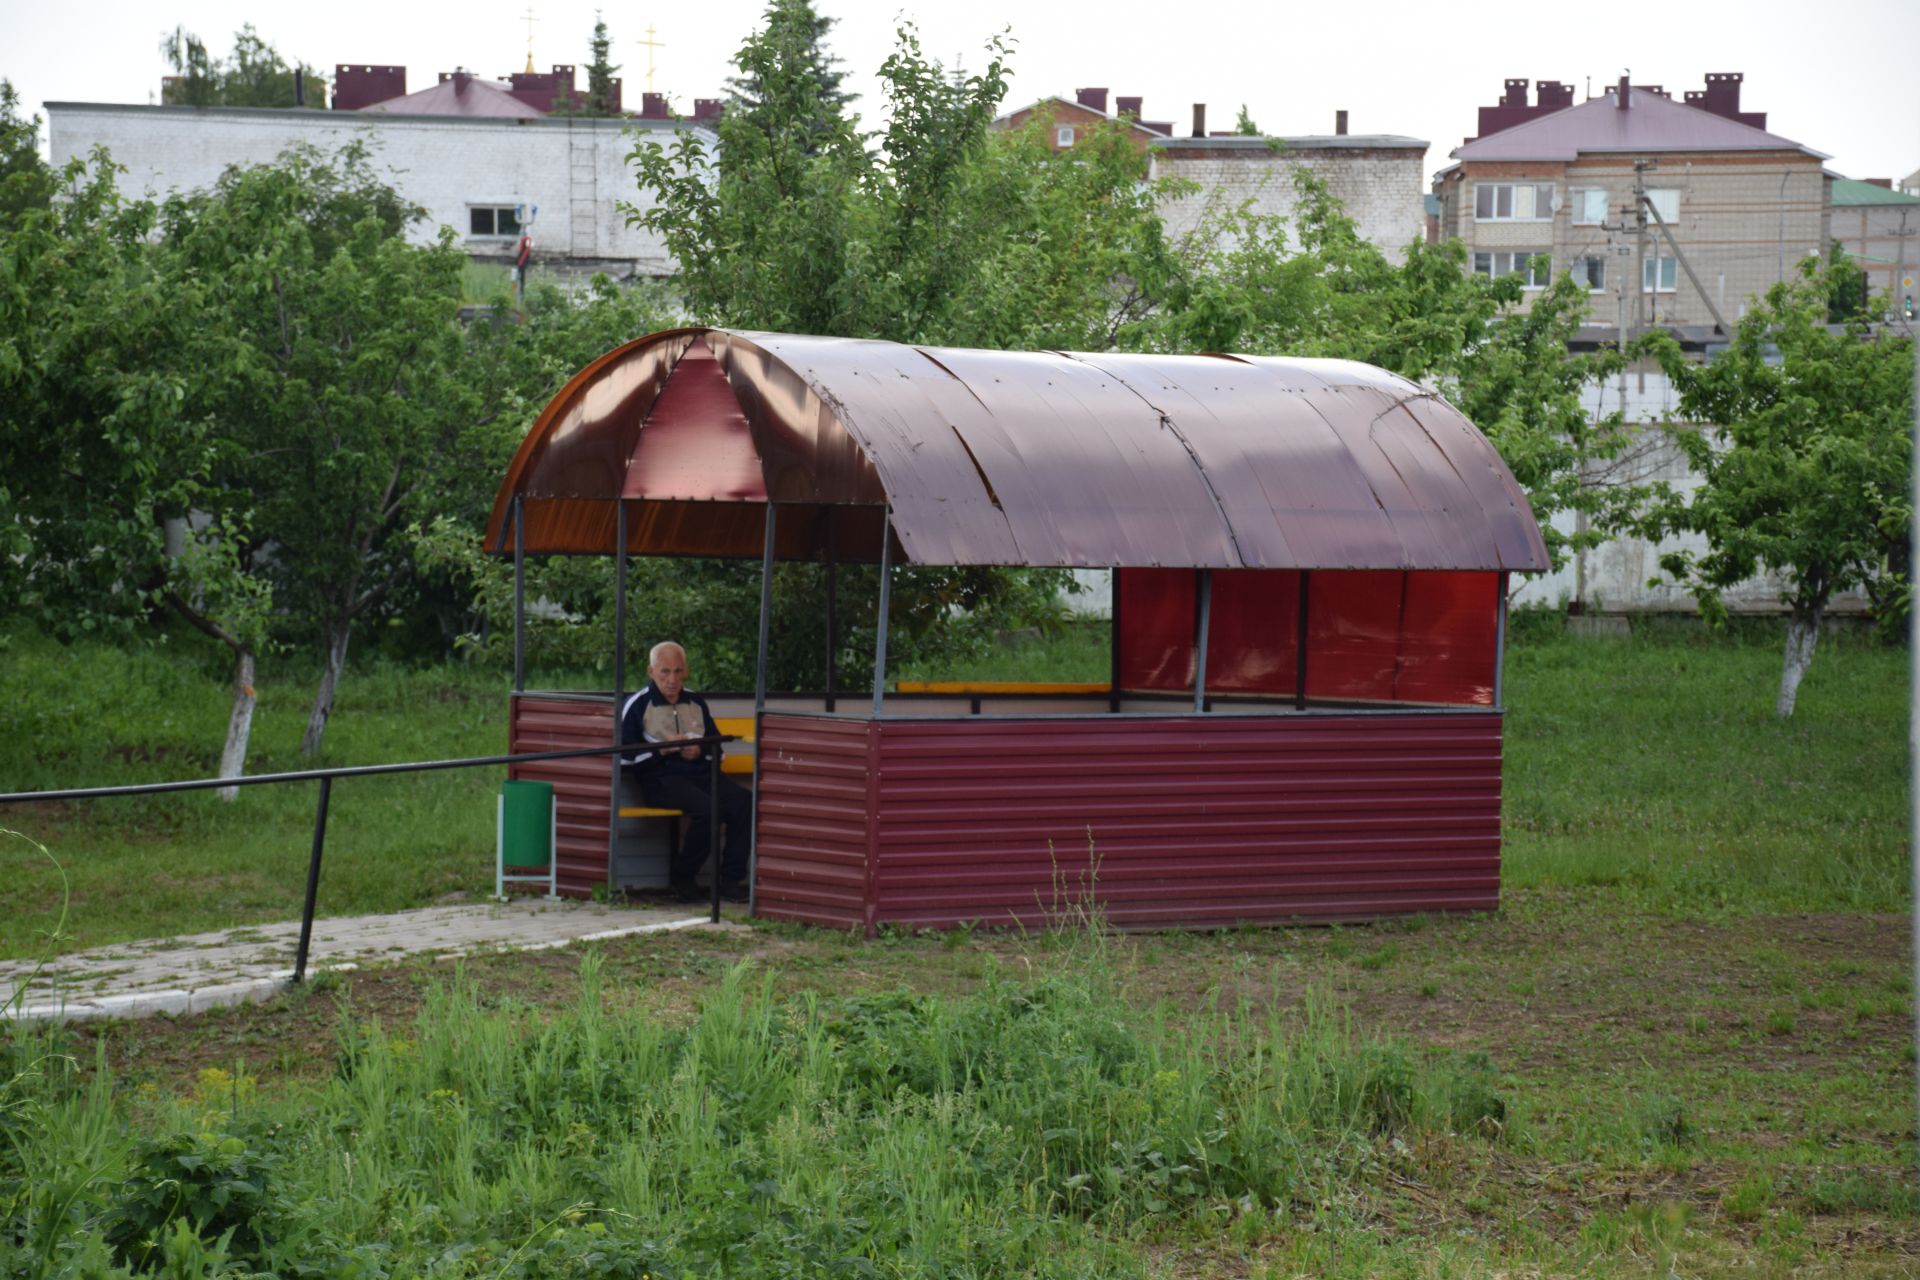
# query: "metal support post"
619,684
1500,646
1300,648
519,594
886,603
1113,641
833,615
713,824
759,715
1203,618
313,881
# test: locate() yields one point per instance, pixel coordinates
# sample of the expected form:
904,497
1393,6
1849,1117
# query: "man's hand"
688,753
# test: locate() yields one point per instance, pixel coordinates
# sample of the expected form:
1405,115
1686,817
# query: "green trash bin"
526,834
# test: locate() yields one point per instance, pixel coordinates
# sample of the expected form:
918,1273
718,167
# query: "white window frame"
1577,205
496,208
1669,278
1508,262
1514,191
1580,272
1667,201
1063,136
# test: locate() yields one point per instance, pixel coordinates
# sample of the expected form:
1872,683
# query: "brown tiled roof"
460,95
1650,123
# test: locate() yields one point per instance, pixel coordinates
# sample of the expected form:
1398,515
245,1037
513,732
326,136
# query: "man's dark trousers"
688,793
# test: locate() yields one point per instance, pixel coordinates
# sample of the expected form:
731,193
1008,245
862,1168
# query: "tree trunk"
1803,632
329,681
233,756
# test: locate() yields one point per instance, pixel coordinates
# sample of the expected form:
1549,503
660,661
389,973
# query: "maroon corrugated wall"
580,786
1163,822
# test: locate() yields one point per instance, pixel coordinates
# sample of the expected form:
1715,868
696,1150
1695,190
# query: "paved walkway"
205,970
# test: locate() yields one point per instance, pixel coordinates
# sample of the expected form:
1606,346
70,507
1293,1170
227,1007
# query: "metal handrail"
325,778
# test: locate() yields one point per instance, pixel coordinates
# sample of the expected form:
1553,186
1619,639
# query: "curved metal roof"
1012,458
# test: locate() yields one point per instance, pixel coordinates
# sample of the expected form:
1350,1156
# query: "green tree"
791,46
599,73
1244,124
26,181
106,505
330,360
255,75
1806,472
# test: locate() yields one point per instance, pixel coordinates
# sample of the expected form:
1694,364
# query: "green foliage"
214,1184
101,442
948,231
1805,473
1847,293
786,63
1243,124
254,75
25,180
1030,1127
598,99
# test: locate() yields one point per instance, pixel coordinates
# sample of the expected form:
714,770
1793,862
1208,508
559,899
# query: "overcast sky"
1840,76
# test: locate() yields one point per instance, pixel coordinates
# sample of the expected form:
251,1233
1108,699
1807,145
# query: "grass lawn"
1683,1047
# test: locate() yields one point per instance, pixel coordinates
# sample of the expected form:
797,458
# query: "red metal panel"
995,457
1186,821
695,444
812,818
582,803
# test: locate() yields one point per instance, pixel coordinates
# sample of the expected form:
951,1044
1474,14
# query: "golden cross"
651,44
530,21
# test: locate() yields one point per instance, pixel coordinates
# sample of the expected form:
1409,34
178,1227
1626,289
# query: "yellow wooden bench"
735,761
1002,686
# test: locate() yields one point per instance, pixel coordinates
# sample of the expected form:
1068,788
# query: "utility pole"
1640,168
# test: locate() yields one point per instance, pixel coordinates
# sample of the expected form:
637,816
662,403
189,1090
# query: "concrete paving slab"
202,971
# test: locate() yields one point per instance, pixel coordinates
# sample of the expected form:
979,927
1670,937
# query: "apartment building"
1728,207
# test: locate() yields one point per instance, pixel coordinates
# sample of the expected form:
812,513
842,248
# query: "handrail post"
833,617
313,881
880,623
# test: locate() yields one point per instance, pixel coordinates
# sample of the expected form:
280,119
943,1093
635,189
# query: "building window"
1591,270
1589,205
1513,202
1665,269
1063,136
1530,263
1665,202
493,220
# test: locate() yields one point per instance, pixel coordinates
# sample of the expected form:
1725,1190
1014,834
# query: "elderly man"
671,777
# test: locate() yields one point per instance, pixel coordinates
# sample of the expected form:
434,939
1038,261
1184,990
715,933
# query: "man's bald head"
667,668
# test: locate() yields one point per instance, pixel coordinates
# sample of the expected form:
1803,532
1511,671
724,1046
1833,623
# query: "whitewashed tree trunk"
1803,632
329,681
233,756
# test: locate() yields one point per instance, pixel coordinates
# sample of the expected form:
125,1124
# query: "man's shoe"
734,891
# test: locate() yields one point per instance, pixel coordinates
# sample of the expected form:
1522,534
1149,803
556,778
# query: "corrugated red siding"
1188,821
815,839
581,786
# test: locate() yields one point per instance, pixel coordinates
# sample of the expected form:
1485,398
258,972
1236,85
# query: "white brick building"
1380,178
463,170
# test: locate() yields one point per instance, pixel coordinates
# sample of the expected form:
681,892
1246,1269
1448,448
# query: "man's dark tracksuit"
675,782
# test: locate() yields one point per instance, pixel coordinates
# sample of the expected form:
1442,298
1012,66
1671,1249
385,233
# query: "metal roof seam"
1166,420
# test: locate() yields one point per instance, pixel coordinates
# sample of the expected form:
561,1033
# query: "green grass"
1656,767
1652,769
1030,1127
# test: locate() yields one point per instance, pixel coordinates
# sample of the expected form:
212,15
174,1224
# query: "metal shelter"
1311,561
